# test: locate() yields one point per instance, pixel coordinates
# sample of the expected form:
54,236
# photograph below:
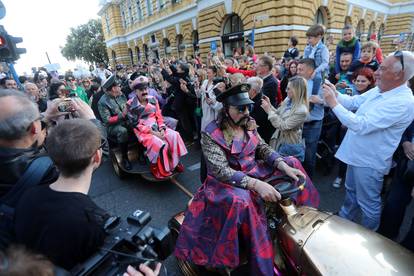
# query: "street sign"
261,17
213,46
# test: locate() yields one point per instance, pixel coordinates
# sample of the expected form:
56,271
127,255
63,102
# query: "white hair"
256,83
408,58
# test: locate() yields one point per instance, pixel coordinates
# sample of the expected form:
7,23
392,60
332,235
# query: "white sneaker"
337,183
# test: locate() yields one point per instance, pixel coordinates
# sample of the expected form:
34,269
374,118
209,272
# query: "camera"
130,243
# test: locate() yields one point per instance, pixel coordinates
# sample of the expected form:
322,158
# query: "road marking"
194,167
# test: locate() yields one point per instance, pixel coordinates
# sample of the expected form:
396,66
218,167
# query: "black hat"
110,82
236,95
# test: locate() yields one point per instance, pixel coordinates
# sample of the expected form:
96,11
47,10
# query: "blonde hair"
236,79
299,95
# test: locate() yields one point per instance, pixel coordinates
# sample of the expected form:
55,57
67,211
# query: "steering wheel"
287,186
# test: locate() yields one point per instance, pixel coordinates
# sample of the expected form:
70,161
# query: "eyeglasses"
400,56
242,108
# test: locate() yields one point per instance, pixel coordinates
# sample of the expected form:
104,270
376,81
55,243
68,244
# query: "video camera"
130,243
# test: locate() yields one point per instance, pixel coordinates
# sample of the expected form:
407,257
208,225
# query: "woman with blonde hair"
288,119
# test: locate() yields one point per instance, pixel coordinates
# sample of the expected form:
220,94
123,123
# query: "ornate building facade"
139,30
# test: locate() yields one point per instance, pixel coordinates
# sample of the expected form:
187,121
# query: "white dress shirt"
375,130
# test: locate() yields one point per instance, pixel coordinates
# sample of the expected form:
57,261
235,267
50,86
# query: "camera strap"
31,177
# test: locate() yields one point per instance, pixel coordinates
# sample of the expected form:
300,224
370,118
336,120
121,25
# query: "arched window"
131,55
371,30
360,29
381,31
233,36
113,56
195,41
321,17
146,52
138,53
167,46
348,21
180,45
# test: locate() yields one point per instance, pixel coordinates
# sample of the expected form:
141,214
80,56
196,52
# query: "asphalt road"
164,199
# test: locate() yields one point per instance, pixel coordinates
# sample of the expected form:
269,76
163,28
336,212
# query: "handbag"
296,150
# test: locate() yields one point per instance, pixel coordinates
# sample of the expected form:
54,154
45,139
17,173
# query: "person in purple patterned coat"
227,212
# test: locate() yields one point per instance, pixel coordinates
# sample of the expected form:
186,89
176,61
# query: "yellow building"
139,30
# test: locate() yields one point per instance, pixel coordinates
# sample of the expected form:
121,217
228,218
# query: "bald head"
18,113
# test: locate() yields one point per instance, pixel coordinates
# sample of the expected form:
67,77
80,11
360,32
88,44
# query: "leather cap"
236,95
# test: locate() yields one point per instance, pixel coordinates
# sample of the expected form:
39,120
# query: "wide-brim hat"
236,95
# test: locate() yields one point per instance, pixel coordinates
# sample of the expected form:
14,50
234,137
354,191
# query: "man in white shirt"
374,132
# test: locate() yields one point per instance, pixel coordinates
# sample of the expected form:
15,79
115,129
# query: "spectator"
102,72
382,115
313,123
75,89
265,128
270,83
292,71
362,82
316,50
288,120
58,90
8,83
34,93
366,60
249,52
340,79
378,51
292,52
65,225
348,44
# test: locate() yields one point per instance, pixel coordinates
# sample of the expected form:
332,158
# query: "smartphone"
65,105
348,91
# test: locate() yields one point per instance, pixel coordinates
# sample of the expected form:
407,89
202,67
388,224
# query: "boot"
124,153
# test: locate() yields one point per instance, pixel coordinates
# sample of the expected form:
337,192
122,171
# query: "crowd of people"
254,116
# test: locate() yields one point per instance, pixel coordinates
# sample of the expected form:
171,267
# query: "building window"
180,45
108,30
381,31
124,23
233,36
321,16
359,29
139,11
348,21
195,41
138,54
371,30
167,46
113,57
146,52
161,4
131,18
149,7
153,38
175,1
131,56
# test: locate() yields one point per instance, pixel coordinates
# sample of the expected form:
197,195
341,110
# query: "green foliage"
86,42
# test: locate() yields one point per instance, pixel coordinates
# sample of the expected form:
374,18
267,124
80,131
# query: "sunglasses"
400,56
242,108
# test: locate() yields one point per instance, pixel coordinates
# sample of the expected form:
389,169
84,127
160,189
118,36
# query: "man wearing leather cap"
113,111
227,212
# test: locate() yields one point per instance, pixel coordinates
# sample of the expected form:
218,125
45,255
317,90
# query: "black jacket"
265,128
270,84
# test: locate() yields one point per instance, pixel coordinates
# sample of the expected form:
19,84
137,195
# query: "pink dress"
163,154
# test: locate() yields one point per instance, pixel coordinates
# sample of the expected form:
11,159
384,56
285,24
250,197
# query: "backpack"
32,176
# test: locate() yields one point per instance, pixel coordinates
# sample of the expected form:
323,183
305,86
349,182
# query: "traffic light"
9,52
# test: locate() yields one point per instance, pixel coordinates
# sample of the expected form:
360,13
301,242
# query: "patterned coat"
166,152
222,216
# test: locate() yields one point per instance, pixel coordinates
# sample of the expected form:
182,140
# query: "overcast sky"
44,25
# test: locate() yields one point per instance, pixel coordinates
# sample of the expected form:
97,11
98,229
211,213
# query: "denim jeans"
363,192
311,133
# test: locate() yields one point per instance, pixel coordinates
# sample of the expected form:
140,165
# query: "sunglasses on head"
400,56
242,108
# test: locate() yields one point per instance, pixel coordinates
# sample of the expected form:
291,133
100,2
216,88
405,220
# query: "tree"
86,42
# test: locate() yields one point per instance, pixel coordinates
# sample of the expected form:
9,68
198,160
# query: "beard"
243,121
